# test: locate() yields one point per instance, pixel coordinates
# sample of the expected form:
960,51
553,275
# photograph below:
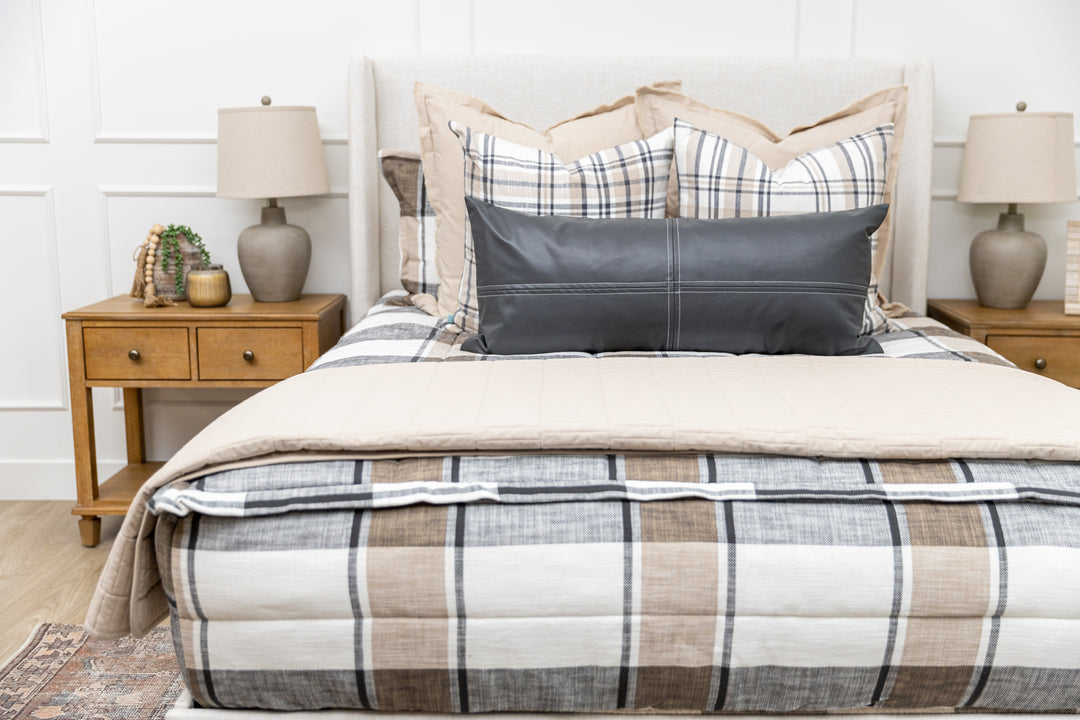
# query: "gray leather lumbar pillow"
784,284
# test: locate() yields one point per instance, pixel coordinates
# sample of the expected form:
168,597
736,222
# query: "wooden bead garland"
144,272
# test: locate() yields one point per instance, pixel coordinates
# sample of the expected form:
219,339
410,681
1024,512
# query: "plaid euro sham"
625,181
404,173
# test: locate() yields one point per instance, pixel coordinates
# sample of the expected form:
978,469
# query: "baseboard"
44,479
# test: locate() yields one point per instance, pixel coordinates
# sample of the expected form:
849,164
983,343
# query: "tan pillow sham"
603,127
658,107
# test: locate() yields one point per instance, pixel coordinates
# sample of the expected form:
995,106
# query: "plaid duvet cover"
395,331
700,583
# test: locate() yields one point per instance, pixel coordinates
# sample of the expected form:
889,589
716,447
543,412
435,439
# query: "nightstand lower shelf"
114,498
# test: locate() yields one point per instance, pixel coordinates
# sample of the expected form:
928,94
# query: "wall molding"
101,135
53,255
29,136
42,134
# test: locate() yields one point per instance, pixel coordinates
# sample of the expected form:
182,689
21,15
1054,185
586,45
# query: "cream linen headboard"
542,90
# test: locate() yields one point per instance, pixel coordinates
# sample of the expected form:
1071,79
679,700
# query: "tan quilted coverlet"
793,405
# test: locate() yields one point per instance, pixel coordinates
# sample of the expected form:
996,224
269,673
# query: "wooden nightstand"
1040,338
120,343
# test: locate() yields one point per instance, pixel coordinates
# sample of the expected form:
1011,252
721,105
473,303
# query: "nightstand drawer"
250,353
116,353
1060,354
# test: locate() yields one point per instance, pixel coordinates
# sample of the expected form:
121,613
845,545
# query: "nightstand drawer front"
1055,357
250,353
115,353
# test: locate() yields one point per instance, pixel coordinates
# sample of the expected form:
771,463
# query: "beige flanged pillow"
602,127
658,107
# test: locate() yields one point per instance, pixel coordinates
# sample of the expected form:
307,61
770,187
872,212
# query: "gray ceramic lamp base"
1007,263
274,257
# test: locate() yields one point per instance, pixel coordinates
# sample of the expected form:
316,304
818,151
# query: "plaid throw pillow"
720,179
626,181
416,230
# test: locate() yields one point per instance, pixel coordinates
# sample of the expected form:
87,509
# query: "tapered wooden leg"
90,530
82,427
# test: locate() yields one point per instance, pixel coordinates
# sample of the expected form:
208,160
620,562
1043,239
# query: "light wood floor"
46,575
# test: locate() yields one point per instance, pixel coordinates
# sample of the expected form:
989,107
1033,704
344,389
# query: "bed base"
185,710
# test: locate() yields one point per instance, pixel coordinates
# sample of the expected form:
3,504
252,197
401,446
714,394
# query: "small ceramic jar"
208,286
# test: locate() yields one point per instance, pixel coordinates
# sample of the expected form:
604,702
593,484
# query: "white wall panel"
765,28
445,26
164,68
23,112
987,54
825,28
32,367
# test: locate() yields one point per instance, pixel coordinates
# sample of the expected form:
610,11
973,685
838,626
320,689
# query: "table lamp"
271,152
1014,158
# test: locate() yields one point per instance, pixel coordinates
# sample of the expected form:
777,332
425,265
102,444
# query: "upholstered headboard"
542,90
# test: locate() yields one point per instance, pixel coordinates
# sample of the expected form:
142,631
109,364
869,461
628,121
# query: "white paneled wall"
108,116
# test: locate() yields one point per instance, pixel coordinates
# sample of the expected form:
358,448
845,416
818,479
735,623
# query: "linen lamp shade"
1019,158
270,152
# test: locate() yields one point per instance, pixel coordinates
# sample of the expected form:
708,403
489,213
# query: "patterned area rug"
61,673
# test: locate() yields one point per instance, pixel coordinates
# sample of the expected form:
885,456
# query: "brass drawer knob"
250,356
1040,363
133,355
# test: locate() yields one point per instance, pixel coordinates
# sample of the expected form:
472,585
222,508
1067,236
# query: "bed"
410,527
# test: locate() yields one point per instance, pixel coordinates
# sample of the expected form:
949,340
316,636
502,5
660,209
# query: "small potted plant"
164,260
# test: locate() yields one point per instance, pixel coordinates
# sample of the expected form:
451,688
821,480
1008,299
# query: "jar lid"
207,268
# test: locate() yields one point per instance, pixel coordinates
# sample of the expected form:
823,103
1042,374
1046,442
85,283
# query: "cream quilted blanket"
793,405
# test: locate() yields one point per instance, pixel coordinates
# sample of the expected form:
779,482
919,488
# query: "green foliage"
170,252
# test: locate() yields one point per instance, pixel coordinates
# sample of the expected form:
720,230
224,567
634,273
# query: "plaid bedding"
591,582
395,331
573,596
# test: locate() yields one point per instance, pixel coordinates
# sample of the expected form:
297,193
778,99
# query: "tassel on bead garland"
144,270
